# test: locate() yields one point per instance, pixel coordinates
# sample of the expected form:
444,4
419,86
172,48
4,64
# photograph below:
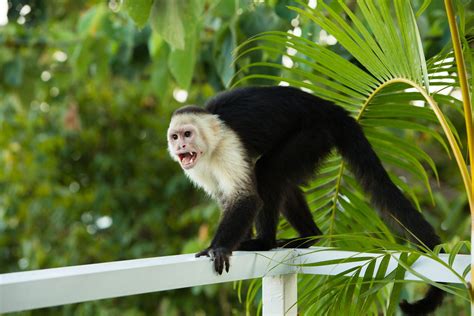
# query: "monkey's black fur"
291,132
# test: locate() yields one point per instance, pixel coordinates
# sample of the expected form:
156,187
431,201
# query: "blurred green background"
86,92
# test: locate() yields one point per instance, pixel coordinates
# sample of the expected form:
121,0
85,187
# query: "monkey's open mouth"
188,160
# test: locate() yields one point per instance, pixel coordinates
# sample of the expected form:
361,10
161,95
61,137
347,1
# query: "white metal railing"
278,268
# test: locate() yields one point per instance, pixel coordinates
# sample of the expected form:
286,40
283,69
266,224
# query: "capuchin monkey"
251,148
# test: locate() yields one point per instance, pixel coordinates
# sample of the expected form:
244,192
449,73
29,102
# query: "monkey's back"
264,117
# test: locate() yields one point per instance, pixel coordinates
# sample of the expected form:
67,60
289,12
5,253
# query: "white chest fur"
225,171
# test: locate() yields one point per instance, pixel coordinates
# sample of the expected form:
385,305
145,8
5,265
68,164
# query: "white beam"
280,294
52,287
424,266
59,286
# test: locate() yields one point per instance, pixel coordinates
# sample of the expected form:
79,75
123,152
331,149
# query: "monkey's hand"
219,255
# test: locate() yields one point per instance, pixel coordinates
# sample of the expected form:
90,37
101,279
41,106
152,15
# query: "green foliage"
138,10
86,91
375,91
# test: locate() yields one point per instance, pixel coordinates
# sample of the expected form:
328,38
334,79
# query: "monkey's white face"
183,145
211,154
190,137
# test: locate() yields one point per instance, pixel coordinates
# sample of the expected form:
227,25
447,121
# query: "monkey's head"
191,135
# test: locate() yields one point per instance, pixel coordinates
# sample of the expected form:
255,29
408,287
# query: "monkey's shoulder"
226,170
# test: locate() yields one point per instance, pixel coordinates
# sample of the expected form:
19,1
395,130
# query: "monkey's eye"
174,136
187,134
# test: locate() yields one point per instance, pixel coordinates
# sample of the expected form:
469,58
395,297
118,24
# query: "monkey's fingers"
205,252
218,266
227,264
224,263
220,256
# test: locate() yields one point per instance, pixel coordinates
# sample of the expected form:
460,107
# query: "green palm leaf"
334,78
384,39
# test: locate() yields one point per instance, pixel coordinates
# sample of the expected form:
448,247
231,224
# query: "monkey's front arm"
237,218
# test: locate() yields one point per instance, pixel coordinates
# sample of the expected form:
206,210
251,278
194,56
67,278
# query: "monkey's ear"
216,125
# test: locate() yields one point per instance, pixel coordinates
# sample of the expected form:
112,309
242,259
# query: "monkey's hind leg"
278,174
302,155
298,214
271,190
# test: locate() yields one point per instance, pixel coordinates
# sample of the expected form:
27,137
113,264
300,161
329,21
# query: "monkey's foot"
220,256
256,245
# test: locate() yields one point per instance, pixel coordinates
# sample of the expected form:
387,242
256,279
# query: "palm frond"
392,76
376,43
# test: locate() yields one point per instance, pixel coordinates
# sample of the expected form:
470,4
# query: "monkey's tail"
386,197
